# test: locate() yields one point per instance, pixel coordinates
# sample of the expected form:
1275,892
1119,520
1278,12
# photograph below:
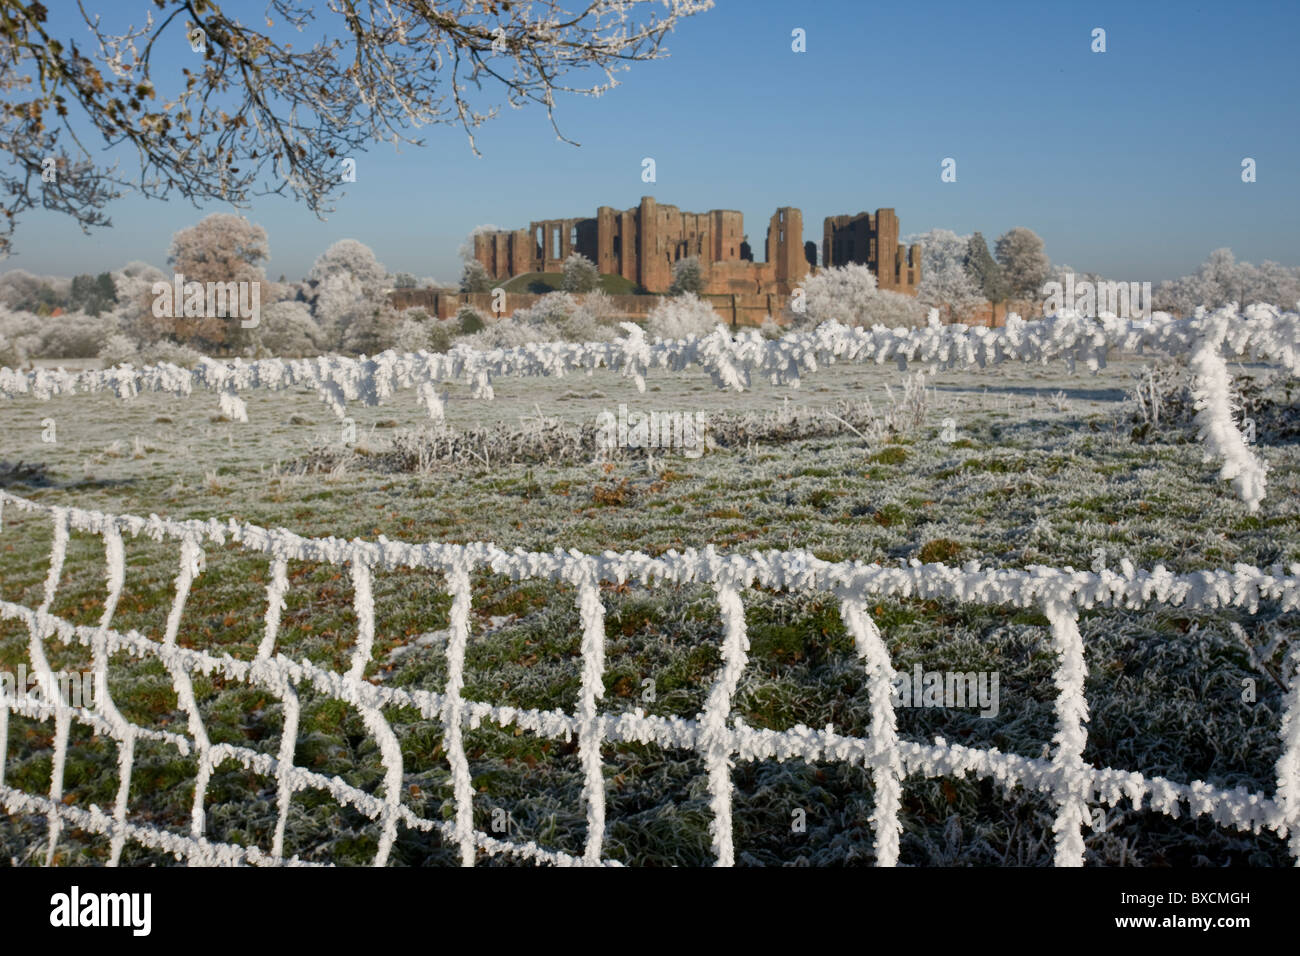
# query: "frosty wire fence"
715,733
1262,332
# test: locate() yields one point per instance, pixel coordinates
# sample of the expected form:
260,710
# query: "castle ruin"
642,243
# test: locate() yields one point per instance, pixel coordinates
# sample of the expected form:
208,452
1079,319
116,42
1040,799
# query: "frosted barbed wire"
1261,332
717,734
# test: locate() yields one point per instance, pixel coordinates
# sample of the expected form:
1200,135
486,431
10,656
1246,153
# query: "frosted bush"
769,329
849,295
11,355
894,309
134,309
587,320
470,320
22,329
839,294
75,335
119,349
556,316
287,329
680,316
552,307
580,274
687,276
371,331
441,332
411,336
170,352
508,333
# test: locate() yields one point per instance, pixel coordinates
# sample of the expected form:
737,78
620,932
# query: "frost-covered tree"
687,277
1279,285
1024,263
275,102
475,278
353,259
73,335
11,355
372,330
945,283
40,295
93,294
580,274
404,280
348,284
220,248
1221,279
134,283
411,335
677,317
287,330
984,271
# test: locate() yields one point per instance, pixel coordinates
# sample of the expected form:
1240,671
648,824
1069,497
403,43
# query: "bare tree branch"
254,116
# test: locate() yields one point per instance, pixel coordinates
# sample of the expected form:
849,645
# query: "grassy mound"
539,283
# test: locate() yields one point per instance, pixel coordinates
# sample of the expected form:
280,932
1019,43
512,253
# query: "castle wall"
873,241
641,244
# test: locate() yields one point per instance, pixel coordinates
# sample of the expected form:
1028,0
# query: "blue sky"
1126,162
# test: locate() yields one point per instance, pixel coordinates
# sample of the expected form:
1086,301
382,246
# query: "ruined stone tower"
642,243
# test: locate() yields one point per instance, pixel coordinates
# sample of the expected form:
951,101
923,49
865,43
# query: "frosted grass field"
1045,468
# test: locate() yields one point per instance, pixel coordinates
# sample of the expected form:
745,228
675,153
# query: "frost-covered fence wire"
1261,332
720,736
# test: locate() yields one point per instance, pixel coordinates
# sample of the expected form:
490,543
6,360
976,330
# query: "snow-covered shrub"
839,294
23,330
848,294
557,316
687,276
164,350
11,355
475,278
119,349
508,333
580,274
372,331
769,329
287,330
591,321
134,309
411,335
895,309
22,291
470,320
1221,279
74,335
680,316
441,332
551,308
